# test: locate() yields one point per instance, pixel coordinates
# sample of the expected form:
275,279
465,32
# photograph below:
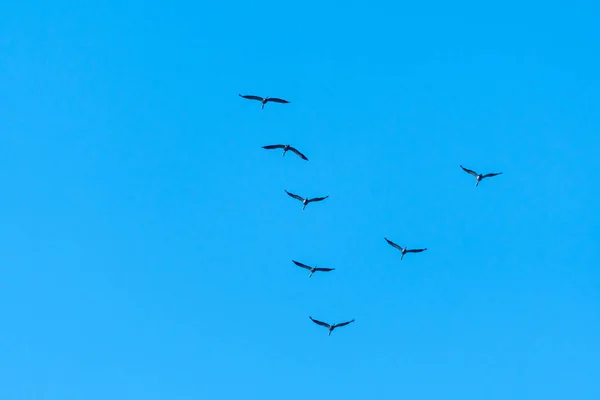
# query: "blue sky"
146,238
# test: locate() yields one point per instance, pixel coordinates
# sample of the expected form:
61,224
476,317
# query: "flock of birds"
305,201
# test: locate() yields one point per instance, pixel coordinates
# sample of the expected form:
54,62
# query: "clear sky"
146,241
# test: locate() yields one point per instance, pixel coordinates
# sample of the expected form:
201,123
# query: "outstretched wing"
492,174
249,97
468,171
277,100
393,244
319,322
324,269
302,156
273,146
317,199
415,250
342,324
294,196
301,265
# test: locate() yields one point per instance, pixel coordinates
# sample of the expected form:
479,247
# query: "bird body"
305,201
403,250
263,100
329,327
479,177
285,147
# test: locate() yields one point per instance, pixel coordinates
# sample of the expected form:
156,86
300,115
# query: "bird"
330,327
263,100
312,269
404,250
479,177
305,201
285,148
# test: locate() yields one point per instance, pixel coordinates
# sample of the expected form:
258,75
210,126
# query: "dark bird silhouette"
312,269
404,250
305,201
264,100
330,327
479,177
285,148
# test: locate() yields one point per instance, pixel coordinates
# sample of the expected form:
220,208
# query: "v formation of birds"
306,200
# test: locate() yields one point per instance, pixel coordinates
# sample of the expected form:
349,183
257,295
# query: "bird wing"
342,324
319,322
492,174
301,265
393,244
468,171
277,100
415,250
324,269
273,146
249,97
302,156
317,199
294,196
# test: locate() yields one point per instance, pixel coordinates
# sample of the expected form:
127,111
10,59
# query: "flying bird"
285,148
330,327
479,177
312,269
264,100
305,201
404,250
